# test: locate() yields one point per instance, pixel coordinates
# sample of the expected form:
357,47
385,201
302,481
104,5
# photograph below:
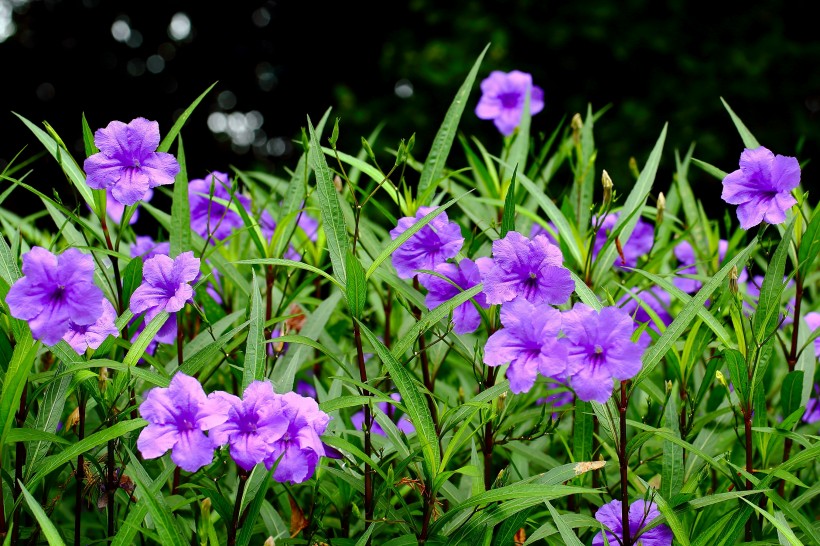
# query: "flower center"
598,349
509,100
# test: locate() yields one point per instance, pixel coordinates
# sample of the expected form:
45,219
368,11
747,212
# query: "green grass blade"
180,234
49,530
166,142
161,514
254,366
22,360
748,138
433,170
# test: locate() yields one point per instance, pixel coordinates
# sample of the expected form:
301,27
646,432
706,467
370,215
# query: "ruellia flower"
538,229
91,336
641,513
462,277
210,218
403,423
503,95
638,244
54,292
528,342
531,269
128,161
599,349
254,422
146,248
177,418
813,322
296,453
429,247
762,187
812,413
165,285
655,297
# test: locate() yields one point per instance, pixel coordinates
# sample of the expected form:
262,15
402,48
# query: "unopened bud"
205,507
501,401
606,182
733,287
337,183
577,124
368,150
103,381
660,208
668,387
269,541
721,378
633,167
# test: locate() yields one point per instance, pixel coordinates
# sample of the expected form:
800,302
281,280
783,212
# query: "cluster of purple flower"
279,430
641,514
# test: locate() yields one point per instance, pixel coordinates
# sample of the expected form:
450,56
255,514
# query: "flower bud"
606,182
577,124
270,541
633,167
733,287
660,208
721,379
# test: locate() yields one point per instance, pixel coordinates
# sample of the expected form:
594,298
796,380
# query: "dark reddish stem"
427,378
624,464
791,360
80,473
237,508
366,425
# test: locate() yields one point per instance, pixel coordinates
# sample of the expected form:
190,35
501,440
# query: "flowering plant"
500,352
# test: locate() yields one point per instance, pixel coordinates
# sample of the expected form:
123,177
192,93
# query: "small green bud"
369,151
334,135
606,182
660,208
721,378
577,124
733,286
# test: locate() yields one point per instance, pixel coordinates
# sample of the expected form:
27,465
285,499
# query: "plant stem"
80,473
237,508
487,446
747,422
791,360
19,461
368,448
622,459
429,383
111,486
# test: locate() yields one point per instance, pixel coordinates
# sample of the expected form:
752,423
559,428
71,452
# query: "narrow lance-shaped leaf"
768,303
672,467
332,217
254,366
356,289
748,138
180,234
165,145
433,169
46,525
508,219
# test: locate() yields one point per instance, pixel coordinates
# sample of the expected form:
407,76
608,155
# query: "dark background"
278,61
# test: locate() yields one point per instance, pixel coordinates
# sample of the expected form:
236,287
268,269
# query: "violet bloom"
55,291
210,219
503,96
254,422
430,246
268,226
165,285
528,268
762,187
560,397
303,388
812,414
85,336
538,229
655,297
296,453
639,242
128,161
599,349
145,247
687,259
813,321
528,342
641,513
403,424
465,275
177,417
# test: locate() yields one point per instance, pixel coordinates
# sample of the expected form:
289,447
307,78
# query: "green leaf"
582,431
9,271
180,233
508,219
791,392
768,307
672,465
738,373
22,360
749,141
356,289
33,435
157,506
653,356
710,169
146,336
58,460
433,170
291,263
631,211
165,145
129,528
254,366
809,245
131,278
567,535
795,515
252,511
51,410
333,219
785,530
69,166
410,391
49,530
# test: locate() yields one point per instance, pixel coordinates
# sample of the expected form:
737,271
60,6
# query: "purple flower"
638,244
209,218
403,424
753,294
465,275
85,336
54,292
762,187
167,334
641,513
538,229
145,248
165,285
254,423
268,226
303,388
430,246
528,268
655,297
115,209
128,162
503,96
599,348
812,414
528,342
560,397
177,417
813,321
296,453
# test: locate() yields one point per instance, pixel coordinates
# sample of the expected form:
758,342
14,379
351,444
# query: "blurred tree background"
401,63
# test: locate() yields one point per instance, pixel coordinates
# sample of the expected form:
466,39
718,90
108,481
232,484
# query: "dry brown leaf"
520,537
582,467
298,522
